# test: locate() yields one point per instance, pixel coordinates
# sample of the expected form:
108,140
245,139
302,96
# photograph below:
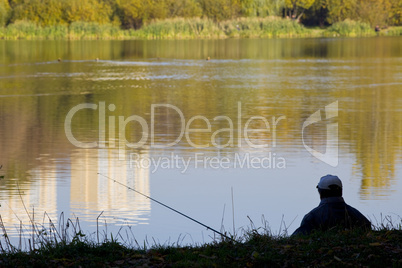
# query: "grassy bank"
75,31
350,28
334,249
65,244
179,28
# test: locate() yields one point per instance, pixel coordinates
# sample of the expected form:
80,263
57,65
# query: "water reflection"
271,79
92,192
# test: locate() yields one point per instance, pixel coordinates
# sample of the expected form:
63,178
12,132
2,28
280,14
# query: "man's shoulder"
351,208
317,210
354,211
325,206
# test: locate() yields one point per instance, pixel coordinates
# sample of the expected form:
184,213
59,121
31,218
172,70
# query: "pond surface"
236,141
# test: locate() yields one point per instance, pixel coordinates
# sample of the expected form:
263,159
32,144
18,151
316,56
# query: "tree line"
132,14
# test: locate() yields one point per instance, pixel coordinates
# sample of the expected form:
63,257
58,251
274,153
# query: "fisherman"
332,212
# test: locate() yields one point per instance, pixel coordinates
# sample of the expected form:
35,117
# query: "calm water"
158,117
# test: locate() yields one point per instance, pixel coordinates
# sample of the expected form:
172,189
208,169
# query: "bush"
393,31
192,28
179,28
263,27
92,30
351,28
22,30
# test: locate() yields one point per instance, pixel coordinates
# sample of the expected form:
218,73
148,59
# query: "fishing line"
166,206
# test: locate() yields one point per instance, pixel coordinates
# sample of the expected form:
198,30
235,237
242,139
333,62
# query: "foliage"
373,12
133,14
340,10
263,8
184,9
43,12
376,12
296,5
351,28
189,18
22,29
180,28
191,28
267,27
92,30
88,11
393,31
30,30
77,30
220,10
317,14
4,12
395,15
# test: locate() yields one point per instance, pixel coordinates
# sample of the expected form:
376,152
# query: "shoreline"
192,29
321,249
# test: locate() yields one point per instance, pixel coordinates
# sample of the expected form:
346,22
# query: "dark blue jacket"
332,212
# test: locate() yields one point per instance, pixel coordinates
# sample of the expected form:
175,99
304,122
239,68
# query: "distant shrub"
179,28
189,28
55,32
22,30
263,27
351,28
93,30
394,31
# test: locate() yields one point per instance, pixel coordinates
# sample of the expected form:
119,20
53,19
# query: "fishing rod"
166,206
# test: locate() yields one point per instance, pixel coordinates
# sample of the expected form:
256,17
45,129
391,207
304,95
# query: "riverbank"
344,248
179,28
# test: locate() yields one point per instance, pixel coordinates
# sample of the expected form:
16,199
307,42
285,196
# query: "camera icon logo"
330,156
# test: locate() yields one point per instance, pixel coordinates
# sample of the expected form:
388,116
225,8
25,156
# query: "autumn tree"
157,9
275,7
316,14
339,10
134,13
183,8
395,16
220,9
262,8
131,12
247,8
378,12
14,3
296,8
4,12
372,11
43,12
87,10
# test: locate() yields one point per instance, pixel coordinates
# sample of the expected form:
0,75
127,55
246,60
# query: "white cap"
328,180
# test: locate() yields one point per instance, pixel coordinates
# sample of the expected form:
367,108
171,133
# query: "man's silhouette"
332,212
